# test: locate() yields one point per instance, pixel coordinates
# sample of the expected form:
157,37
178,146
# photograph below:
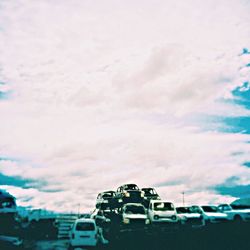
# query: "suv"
106,200
235,214
129,193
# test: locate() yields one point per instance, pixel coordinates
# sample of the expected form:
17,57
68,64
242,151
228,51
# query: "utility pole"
79,205
183,198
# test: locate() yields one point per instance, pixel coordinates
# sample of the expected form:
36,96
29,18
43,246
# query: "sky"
96,94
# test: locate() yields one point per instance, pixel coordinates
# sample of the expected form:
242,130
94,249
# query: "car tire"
70,247
237,218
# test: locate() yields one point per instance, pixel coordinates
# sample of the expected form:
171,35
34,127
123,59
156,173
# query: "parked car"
162,211
129,193
190,217
100,217
149,194
235,214
134,216
106,200
211,214
84,233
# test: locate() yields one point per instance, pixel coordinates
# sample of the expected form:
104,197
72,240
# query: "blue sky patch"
4,95
246,164
230,187
239,191
13,181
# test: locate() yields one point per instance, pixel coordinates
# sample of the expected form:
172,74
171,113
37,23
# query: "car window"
85,226
163,206
149,191
134,210
131,187
226,208
210,209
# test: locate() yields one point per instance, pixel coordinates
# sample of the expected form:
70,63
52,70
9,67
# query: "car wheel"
70,247
237,218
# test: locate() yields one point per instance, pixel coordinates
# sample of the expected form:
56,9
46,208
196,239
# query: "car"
101,217
162,211
211,214
134,216
235,214
84,233
190,217
129,193
106,200
149,194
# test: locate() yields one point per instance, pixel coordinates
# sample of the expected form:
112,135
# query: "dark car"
129,193
106,200
149,194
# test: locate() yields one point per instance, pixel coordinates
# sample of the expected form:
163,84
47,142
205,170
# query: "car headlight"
126,221
147,221
127,194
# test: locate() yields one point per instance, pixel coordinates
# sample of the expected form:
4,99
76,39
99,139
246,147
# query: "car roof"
84,220
154,201
133,204
129,184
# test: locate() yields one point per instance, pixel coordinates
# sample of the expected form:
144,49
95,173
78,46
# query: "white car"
190,217
235,214
84,233
134,215
162,211
211,214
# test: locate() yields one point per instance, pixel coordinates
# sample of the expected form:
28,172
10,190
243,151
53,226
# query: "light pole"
79,205
183,198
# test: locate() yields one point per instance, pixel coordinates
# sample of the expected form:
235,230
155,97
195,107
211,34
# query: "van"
162,211
84,233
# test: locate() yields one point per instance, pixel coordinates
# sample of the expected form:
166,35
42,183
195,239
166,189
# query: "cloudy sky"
95,94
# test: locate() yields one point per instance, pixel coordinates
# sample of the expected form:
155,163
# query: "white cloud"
103,92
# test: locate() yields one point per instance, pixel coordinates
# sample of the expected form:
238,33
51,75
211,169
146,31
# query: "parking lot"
225,236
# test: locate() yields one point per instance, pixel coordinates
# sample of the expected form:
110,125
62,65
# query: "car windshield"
210,209
185,210
7,203
131,187
149,191
163,206
135,210
108,195
85,226
225,208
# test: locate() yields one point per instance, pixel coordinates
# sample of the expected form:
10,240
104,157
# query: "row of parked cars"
133,208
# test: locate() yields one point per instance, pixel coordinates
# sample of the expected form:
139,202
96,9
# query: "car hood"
165,213
191,215
240,211
216,215
135,216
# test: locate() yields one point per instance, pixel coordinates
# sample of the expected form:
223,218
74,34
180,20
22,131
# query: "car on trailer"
129,193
